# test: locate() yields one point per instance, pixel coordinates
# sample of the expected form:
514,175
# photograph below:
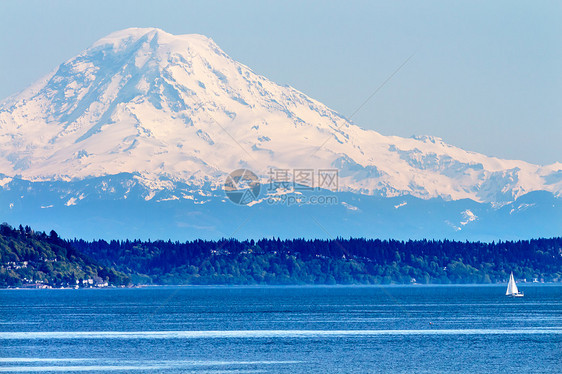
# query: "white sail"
511,286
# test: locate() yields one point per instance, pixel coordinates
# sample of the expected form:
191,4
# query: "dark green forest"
29,258
339,261
35,259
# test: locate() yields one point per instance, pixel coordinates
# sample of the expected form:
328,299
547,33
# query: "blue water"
400,329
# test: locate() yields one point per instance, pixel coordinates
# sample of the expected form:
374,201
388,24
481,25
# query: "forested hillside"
35,259
345,261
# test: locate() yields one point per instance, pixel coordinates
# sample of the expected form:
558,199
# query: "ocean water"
340,329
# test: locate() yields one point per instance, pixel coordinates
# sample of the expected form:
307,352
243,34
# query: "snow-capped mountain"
135,136
178,109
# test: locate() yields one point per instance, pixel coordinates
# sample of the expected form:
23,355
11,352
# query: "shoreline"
156,286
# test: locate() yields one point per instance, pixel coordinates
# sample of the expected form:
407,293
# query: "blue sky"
485,76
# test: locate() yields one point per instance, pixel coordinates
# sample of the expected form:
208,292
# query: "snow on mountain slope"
177,108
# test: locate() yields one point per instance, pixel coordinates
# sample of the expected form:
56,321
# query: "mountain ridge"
177,108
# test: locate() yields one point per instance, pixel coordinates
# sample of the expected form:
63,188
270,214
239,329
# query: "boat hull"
516,295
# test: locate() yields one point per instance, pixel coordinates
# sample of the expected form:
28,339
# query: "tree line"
337,261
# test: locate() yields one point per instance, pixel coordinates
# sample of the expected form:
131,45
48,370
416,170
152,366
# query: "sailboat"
512,288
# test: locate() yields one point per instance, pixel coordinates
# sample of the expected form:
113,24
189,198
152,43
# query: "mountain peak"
123,39
144,101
